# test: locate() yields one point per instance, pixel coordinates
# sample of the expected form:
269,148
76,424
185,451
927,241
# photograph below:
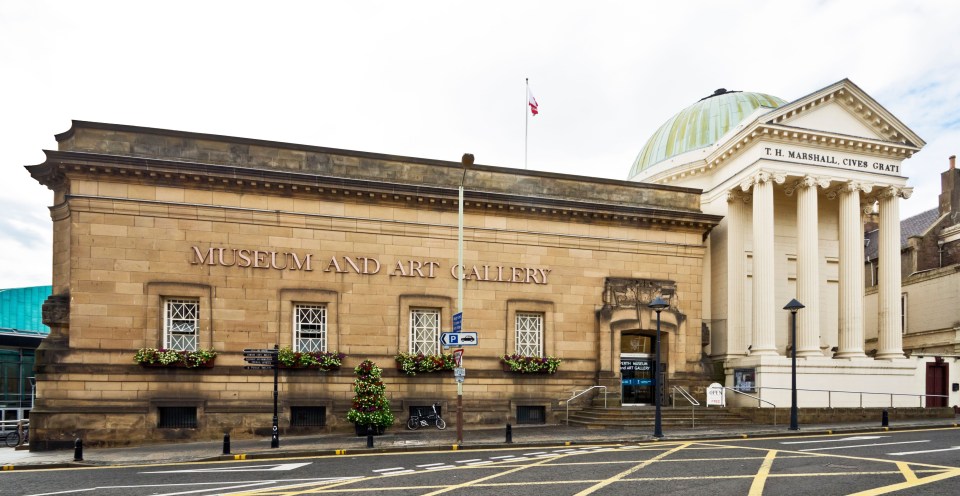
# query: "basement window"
177,417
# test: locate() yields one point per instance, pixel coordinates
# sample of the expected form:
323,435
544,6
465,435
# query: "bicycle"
418,420
13,438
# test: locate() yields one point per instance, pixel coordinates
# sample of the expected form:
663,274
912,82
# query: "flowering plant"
174,358
370,404
322,360
531,364
411,363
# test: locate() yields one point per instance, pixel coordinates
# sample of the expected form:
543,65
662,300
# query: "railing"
830,393
11,425
581,393
687,396
758,401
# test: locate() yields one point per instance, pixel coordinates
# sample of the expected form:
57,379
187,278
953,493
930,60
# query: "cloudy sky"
437,79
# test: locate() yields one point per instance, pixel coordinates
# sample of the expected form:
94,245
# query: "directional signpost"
459,339
266,359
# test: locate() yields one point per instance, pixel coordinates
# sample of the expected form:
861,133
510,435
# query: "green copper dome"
700,125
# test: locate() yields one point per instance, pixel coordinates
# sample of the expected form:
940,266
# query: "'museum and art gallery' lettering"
427,269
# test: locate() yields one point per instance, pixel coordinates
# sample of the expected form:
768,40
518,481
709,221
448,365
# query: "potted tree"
371,408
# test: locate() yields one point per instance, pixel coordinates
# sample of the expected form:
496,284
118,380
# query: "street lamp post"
793,306
466,161
657,305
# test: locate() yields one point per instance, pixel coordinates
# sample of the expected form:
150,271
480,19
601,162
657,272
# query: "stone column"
851,272
738,337
890,338
808,268
764,306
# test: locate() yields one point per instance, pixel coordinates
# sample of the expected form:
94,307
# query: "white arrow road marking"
864,445
854,438
249,468
927,451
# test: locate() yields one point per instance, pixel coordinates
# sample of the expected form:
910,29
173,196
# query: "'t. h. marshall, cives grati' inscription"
367,266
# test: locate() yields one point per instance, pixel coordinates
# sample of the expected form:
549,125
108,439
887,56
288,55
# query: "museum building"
170,240
212,245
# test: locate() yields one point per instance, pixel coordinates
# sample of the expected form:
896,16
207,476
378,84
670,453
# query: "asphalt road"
903,462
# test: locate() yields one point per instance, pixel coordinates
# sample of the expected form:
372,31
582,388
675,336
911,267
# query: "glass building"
21,332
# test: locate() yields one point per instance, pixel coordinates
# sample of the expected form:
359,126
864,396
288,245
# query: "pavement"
426,438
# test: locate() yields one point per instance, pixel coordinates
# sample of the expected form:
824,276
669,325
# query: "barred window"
530,334
181,324
424,331
310,328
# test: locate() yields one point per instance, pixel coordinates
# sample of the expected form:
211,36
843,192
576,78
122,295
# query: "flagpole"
526,124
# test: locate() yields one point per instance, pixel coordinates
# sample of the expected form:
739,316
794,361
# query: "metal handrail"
11,425
687,396
830,392
581,393
758,401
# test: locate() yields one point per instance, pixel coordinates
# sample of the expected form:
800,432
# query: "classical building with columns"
794,181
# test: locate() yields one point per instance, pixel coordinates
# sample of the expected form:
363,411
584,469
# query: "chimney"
950,189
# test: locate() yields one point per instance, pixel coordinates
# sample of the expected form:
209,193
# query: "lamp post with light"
657,305
793,306
466,161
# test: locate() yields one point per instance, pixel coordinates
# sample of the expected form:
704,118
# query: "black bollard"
885,420
78,450
369,436
226,443
509,434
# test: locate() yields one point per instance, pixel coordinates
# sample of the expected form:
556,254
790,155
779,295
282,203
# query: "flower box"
413,364
309,360
177,359
520,364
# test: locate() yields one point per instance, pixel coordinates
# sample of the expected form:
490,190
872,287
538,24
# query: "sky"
439,79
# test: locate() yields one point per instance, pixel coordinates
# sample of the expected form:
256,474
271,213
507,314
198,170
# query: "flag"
532,102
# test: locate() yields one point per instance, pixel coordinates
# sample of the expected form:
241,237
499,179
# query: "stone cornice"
61,166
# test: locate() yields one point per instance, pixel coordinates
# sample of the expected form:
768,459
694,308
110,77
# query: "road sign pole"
275,440
459,413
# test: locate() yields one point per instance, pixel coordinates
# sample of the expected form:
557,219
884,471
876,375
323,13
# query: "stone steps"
627,417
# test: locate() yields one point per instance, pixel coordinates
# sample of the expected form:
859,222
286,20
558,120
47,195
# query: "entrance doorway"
637,366
937,375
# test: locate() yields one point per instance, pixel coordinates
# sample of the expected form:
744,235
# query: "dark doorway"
937,376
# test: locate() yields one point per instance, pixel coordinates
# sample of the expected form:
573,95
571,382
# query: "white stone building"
793,181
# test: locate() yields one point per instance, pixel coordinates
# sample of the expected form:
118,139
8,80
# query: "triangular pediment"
843,109
833,118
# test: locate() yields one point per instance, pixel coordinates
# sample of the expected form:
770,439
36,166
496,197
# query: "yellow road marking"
907,471
909,484
625,473
473,482
756,489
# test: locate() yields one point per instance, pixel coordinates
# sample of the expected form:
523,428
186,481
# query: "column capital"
849,187
738,196
895,192
762,176
808,182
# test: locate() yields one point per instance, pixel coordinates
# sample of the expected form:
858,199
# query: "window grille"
424,331
531,415
177,417
310,328
529,334
308,416
180,324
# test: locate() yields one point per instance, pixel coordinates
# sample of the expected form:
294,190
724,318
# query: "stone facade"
248,229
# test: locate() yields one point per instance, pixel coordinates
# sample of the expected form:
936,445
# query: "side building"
21,332
929,315
174,240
